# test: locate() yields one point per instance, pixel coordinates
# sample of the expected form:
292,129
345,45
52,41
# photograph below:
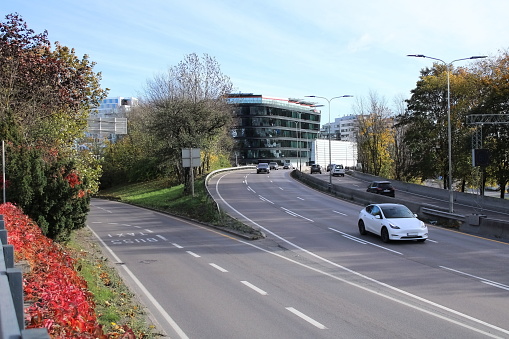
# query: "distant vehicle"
316,169
338,170
330,167
287,164
381,187
392,222
262,167
273,165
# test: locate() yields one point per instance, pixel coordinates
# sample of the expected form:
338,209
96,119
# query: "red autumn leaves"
58,298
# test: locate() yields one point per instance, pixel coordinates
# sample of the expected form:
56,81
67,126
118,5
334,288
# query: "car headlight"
396,227
423,225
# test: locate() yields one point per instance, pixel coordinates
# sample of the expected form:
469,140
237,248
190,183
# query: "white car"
392,222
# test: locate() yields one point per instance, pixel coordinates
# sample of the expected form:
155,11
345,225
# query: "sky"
277,48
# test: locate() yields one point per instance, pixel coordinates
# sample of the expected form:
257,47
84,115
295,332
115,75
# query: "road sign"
191,157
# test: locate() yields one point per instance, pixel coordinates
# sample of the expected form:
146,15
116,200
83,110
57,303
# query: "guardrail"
211,174
12,322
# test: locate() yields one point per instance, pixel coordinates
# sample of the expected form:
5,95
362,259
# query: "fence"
12,322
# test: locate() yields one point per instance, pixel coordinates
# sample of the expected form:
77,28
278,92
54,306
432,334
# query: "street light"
330,152
449,130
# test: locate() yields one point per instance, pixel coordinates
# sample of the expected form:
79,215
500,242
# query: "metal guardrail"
12,322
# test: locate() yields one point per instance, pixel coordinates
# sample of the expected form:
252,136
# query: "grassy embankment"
116,305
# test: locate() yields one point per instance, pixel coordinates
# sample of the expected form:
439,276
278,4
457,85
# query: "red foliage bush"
59,298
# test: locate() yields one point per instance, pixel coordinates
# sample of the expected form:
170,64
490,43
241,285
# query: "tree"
188,108
426,124
49,92
375,139
45,100
493,94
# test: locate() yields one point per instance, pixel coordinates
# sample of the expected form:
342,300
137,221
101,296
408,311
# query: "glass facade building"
272,129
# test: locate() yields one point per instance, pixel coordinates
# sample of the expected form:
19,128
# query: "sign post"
191,158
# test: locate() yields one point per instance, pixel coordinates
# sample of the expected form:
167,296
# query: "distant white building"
115,107
344,128
341,152
109,119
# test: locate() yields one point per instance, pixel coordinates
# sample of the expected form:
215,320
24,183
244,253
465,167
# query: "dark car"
263,167
316,169
381,187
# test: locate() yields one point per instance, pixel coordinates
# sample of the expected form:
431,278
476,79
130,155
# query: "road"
313,276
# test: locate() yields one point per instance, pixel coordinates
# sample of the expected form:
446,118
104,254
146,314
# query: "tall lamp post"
330,151
449,130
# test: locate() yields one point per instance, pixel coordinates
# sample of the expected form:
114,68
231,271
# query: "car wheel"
385,235
362,228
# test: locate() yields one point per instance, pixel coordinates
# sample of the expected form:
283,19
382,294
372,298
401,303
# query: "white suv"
338,170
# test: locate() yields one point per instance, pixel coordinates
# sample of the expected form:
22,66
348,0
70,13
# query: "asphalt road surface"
313,276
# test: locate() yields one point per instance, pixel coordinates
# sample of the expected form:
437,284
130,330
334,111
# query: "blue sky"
278,48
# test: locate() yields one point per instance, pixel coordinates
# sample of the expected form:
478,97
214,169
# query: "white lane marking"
436,242
218,267
149,231
126,225
295,214
265,199
161,237
250,189
176,245
376,292
502,286
193,254
340,213
300,198
281,188
259,290
486,281
351,237
113,223
144,290
97,222
305,317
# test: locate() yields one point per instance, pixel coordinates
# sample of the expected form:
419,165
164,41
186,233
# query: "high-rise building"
343,128
273,129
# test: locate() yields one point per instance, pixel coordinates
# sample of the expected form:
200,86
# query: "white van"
338,170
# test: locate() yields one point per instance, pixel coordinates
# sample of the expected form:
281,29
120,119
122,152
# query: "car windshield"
397,211
385,185
263,165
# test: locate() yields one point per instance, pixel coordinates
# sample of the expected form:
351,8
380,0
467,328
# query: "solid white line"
265,199
193,254
484,280
305,317
218,267
161,237
149,296
295,214
259,290
177,245
502,286
351,237
413,296
340,213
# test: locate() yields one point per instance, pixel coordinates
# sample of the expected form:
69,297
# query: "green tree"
45,98
493,93
188,109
